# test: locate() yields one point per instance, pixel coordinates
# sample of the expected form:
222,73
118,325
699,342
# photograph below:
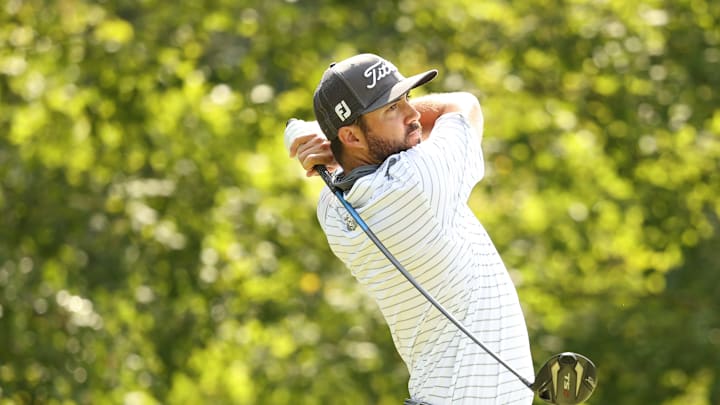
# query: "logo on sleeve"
342,110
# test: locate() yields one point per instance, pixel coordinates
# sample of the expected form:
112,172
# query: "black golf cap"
359,85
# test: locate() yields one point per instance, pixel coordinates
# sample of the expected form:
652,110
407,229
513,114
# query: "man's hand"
312,150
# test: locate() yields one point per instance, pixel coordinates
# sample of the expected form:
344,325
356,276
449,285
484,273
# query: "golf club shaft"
322,170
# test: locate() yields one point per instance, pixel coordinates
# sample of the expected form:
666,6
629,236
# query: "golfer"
408,166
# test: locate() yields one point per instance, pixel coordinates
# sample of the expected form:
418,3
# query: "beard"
381,148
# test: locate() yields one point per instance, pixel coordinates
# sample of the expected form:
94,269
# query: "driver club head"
565,379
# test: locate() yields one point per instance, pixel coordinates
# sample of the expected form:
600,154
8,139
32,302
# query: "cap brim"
400,88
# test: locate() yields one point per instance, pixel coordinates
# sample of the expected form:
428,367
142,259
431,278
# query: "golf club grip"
326,176
322,170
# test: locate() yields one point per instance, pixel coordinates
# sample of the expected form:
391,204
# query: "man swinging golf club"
398,200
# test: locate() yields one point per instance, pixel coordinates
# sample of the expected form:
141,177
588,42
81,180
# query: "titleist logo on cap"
378,71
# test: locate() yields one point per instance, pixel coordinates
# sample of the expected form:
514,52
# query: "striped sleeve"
452,153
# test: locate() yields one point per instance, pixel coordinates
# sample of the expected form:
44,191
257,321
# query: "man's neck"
353,162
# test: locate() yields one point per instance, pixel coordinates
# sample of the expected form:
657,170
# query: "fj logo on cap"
342,110
378,71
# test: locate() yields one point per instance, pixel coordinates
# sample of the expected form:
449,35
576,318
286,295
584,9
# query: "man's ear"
351,137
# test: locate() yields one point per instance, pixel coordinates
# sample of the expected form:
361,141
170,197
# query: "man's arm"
432,106
314,149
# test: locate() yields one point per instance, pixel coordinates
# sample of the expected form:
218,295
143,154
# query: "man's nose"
412,114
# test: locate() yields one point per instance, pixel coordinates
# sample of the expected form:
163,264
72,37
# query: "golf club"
564,379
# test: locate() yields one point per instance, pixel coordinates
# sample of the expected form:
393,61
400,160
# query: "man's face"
392,128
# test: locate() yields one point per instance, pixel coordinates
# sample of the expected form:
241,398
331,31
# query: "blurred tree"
158,246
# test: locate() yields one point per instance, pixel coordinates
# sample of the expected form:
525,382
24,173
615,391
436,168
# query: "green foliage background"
157,245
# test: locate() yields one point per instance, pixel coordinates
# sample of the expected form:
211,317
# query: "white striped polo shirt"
417,204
